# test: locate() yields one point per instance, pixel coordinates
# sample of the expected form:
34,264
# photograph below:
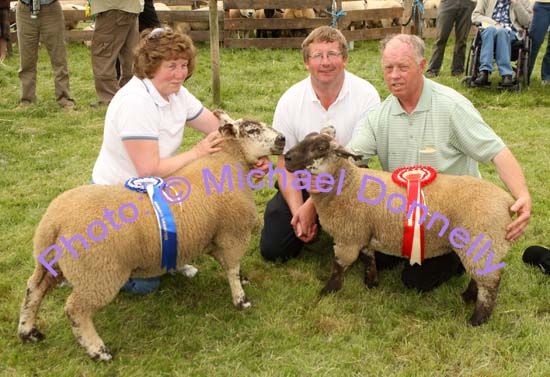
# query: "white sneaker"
188,270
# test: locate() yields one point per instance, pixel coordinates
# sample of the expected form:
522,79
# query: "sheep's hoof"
477,320
243,304
371,283
32,336
102,355
329,288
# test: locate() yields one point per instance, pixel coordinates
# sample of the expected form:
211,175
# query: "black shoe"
507,81
482,79
538,256
386,262
432,273
432,74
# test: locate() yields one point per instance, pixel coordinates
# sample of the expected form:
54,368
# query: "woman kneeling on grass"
145,121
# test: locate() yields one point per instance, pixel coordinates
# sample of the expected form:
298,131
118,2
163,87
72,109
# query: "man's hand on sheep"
208,145
522,207
511,174
304,221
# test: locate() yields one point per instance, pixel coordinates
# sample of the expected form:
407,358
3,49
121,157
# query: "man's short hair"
161,45
325,34
412,40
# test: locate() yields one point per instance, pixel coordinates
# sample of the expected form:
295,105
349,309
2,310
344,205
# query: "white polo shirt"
299,111
138,111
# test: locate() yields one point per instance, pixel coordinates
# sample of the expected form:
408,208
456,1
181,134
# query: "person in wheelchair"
502,22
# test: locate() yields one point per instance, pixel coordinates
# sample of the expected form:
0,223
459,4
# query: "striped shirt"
444,131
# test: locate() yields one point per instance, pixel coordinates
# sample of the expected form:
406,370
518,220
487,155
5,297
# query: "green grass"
189,327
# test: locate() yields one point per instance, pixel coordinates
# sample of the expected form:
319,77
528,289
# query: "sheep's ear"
229,130
329,130
222,116
344,152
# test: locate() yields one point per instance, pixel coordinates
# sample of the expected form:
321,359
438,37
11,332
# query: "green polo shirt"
444,131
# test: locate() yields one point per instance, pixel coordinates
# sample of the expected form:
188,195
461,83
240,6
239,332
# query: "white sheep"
431,4
241,13
466,203
217,223
350,6
384,4
65,6
291,13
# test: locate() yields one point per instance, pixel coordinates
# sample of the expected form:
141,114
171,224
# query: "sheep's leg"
343,258
486,298
81,306
229,259
40,282
371,272
470,294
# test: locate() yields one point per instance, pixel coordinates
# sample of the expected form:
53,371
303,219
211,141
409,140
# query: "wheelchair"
521,55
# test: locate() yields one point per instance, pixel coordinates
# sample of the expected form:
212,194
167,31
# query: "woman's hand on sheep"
263,165
522,207
304,222
208,145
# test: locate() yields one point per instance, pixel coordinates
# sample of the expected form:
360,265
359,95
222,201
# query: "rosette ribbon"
165,219
414,177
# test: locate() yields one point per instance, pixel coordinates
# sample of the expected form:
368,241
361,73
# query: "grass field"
189,327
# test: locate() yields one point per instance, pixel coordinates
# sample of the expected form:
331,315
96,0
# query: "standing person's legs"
129,22
148,19
545,69
537,32
28,36
278,240
462,29
106,44
53,31
4,32
445,20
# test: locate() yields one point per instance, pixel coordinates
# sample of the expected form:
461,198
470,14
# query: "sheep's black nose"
287,157
280,139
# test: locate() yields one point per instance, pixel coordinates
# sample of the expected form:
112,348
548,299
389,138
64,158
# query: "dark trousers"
457,13
148,19
115,37
538,31
278,240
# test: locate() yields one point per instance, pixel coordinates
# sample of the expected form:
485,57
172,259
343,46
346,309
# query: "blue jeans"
537,32
141,286
496,43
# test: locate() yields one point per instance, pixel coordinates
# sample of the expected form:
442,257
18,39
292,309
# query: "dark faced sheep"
358,223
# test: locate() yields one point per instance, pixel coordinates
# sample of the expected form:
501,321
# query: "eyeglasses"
331,56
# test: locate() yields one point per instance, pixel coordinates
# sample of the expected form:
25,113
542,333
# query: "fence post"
407,14
214,51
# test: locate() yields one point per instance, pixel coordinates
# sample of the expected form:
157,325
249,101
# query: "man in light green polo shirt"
425,123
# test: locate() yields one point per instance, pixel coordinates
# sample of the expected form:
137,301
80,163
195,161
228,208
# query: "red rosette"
403,175
413,178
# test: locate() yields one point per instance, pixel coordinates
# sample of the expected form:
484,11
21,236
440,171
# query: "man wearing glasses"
329,96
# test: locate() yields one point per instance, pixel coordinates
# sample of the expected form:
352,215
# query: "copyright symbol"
176,189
